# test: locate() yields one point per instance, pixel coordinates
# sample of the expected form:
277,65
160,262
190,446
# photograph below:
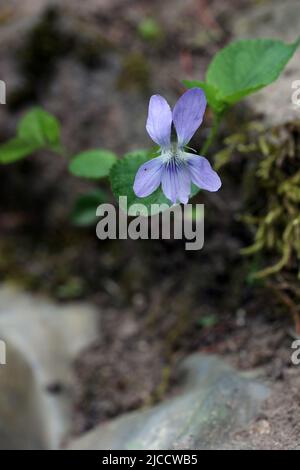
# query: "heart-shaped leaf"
241,68
246,66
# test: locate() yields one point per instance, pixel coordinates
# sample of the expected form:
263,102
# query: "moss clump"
271,188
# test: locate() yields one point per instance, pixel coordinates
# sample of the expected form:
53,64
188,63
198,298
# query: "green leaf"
84,211
122,178
40,128
36,130
218,106
246,66
15,149
92,164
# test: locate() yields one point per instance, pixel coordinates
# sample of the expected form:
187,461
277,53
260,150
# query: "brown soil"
268,347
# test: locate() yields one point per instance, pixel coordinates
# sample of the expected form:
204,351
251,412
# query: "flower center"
173,154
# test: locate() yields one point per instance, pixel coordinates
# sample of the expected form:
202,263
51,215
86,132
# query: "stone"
275,20
212,403
42,339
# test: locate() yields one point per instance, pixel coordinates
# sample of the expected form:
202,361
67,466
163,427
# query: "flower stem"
213,132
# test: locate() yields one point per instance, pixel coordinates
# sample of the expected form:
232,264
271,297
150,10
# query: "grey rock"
276,20
42,339
213,402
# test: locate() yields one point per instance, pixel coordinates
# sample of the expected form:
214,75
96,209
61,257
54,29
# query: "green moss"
270,207
272,188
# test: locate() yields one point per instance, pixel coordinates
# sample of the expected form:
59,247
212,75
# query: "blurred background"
95,329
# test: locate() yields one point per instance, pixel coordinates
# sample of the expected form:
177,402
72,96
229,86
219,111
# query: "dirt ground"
268,347
157,302
259,345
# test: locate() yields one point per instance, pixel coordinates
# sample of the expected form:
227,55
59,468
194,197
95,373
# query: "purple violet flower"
175,169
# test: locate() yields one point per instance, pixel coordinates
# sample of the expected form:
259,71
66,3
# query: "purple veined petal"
188,114
176,182
202,174
148,177
159,121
